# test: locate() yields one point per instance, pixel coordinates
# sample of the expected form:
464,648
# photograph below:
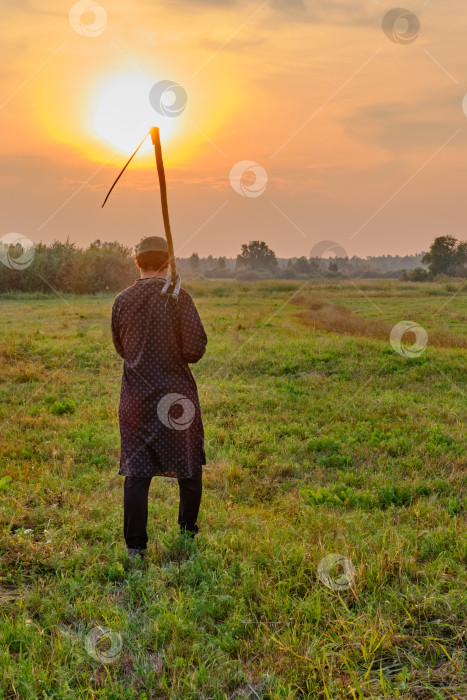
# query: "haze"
363,139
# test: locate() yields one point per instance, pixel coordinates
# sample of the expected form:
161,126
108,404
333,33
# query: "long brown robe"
161,427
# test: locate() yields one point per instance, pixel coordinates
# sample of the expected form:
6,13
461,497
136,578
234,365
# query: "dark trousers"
135,508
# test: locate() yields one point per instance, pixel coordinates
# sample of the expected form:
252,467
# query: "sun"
121,112
109,111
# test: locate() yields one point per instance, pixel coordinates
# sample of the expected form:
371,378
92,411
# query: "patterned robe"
161,428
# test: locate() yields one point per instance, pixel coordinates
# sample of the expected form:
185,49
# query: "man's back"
160,414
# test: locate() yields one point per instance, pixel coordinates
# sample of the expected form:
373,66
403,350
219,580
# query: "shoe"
133,553
189,533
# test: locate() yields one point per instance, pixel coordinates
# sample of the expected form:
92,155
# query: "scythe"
173,280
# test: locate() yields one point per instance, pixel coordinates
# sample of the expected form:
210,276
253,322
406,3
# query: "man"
160,416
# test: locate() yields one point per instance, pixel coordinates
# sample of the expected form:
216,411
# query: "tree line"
65,267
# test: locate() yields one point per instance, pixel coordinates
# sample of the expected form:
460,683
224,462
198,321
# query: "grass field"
321,440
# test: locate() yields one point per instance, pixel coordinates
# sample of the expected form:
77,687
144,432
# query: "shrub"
61,407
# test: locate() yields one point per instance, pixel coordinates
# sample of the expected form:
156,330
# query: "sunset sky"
363,139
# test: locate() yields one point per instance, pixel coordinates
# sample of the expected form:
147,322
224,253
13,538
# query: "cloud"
334,12
289,5
32,7
397,125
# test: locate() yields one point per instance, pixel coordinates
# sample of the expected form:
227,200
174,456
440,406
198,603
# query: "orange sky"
363,139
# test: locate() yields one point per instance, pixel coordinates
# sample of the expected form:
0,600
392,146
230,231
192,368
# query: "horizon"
351,120
234,257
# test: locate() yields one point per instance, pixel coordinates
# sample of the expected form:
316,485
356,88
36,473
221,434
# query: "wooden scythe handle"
156,140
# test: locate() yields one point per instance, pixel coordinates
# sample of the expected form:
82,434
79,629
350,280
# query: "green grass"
317,443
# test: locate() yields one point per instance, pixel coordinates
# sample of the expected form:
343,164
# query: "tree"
302,265
417,275
462,259
194,261
257,255
446,256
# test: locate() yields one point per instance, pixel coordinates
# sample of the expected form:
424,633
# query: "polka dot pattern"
157,337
